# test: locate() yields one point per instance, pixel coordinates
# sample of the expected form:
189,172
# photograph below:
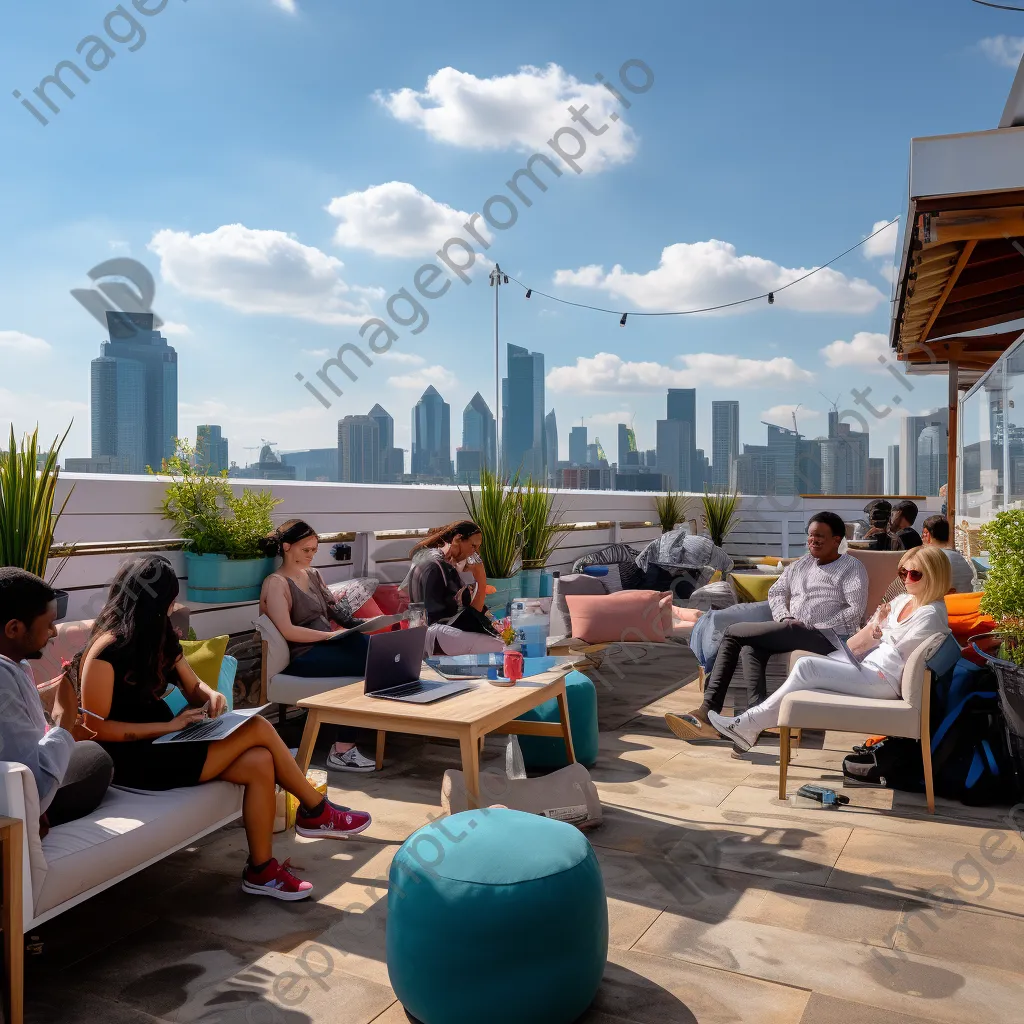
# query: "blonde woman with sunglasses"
881,647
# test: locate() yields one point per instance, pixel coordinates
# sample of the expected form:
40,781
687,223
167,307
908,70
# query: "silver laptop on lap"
393,663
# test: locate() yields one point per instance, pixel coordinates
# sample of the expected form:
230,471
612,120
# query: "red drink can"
513,667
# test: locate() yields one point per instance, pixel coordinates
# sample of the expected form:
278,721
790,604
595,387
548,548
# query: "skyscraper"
931,459
211,449
725,442
892,474
910,431
674,453
478,431
682,405
551,444
432,436
628,454
578,446
876,476
134,385
359,450
844,458
392,459
522,423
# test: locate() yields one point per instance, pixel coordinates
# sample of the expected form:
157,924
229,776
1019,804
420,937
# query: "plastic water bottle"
532,625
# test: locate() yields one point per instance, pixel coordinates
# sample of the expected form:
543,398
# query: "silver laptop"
393,663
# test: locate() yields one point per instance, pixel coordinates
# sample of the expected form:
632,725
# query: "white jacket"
901,639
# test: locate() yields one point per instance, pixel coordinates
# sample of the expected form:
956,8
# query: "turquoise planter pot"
532,583
506,590
217,579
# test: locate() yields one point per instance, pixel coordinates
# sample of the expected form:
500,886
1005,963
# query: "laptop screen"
394,658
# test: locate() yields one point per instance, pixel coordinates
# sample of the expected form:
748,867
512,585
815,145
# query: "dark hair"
831,520
136,613
290,532
23,596
938,527
463,528
907,509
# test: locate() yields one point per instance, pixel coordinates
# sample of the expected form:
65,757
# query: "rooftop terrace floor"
725,905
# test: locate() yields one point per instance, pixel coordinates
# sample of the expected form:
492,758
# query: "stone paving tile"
653,990
928,870
829,1010
663,793
849,970
68,1005
627,921
989,940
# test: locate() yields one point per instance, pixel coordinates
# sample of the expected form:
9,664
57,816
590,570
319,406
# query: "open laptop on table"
393,663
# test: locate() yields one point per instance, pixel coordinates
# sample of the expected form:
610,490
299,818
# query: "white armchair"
907,716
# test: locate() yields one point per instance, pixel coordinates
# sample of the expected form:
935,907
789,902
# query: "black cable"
998,7
705,309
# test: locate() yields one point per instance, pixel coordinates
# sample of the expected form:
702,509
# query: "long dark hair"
136,613
463,528
290,532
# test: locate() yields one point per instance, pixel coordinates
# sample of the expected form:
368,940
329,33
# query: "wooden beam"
965,225
991,285
950,284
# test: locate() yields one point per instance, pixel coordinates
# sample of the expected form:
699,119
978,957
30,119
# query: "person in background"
943,493
71,772
878,534
132,657
311,619
935,533
821,589
456,621
882,648
904,515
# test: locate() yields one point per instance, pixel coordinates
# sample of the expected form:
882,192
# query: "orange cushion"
371,610
966,619
630,616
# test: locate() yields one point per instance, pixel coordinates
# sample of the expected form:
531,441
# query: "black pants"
345,656
751,644
86,780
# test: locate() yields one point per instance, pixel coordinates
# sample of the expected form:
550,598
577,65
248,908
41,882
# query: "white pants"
451,640
833,674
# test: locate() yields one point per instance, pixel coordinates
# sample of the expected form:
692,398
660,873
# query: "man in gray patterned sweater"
823,589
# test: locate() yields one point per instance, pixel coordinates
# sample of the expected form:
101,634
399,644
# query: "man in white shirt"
824,589
935,531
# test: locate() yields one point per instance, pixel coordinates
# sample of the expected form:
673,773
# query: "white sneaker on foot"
350,761
732,729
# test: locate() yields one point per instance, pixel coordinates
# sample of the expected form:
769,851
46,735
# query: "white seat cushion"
285,689
129,828
813,709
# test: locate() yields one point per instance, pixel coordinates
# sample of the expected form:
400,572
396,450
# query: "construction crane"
796,429
600,451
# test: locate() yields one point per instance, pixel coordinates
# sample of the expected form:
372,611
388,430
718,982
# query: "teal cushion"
496,915
543,752
175,700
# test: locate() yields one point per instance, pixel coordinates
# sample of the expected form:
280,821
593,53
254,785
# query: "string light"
770,296
999,7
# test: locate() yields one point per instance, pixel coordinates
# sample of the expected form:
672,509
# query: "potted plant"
497,509
1003,537
28,482
671,509
540,537
223,530
719,516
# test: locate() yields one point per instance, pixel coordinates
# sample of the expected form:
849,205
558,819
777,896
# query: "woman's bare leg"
256,733
254,769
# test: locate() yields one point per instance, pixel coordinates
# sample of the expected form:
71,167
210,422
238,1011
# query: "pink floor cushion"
629,616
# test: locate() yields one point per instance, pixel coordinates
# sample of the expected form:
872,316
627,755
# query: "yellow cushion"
205,657
716,577
751,587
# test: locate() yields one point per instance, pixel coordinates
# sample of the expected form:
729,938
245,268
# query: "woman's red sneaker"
331,823
275,880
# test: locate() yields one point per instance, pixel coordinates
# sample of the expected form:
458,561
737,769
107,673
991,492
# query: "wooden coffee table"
467,717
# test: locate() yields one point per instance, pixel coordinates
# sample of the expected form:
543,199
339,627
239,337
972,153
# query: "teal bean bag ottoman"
543,752
499,916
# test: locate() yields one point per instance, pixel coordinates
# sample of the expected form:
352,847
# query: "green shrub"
719,516
497,509
1004,583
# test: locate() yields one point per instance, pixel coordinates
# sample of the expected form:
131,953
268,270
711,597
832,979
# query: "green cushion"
542,752
499,916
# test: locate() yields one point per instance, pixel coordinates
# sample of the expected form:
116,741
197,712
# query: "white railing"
120,509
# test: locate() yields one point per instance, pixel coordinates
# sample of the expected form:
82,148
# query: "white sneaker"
350,761
733,730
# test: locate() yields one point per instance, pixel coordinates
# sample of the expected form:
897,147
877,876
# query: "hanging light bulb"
506,278
771,298
622,322
529,292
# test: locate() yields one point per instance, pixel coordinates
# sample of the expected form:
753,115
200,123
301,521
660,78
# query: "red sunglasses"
914,575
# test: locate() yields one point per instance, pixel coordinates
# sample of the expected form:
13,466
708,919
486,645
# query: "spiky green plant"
1003,536
27,490
540,525
671,508
719,515
496,507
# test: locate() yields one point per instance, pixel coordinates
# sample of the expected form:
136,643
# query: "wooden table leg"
563,714
309,734
11,921
469,745
381,734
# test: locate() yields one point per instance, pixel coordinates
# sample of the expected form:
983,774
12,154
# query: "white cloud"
782,415
611,419
258,271
23,344
287,5
520,111
172,329
397,219
1006,51
405,358
422,378
609,373
694,275
319,353
863,351
24,410
882,245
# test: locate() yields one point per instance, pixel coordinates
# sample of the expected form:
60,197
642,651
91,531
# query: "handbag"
469,620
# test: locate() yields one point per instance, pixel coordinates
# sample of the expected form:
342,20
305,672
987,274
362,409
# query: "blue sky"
284,167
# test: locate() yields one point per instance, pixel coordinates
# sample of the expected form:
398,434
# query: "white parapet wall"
121,509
